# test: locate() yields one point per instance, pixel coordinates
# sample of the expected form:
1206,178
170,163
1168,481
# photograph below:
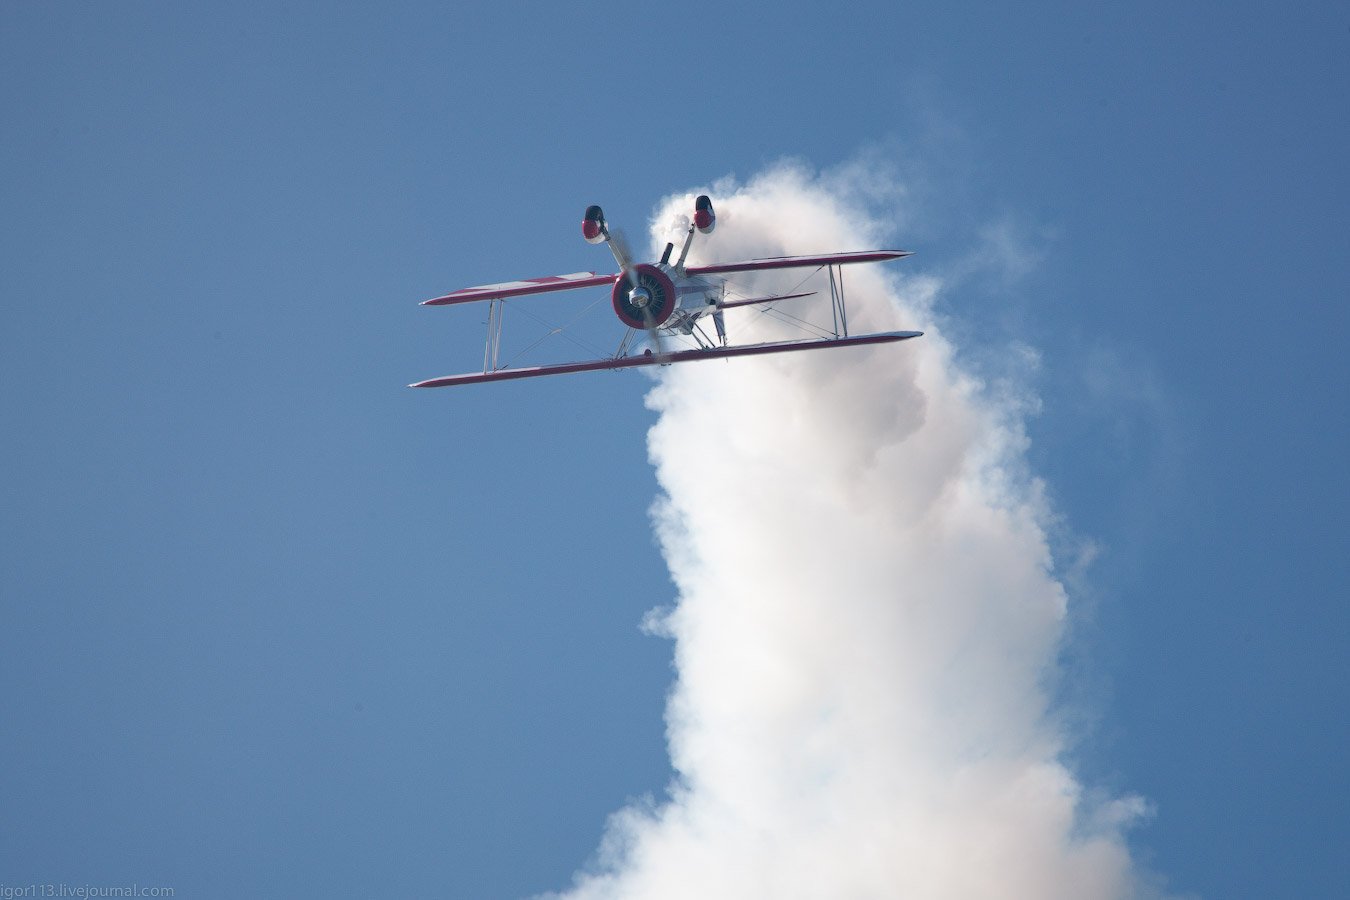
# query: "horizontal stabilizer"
800,262
754,301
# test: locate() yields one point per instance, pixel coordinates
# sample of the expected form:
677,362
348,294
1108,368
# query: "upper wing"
528,286
799,262
590,279
661,359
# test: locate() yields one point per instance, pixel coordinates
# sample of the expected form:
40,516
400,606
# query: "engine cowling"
704,217
593,227
650,303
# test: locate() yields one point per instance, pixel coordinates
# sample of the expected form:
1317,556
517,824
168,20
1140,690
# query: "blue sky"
277,626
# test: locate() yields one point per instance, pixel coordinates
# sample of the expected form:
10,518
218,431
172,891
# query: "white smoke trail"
868,616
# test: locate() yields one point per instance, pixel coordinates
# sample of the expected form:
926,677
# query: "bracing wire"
557,330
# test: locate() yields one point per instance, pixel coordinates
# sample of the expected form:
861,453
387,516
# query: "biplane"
666,301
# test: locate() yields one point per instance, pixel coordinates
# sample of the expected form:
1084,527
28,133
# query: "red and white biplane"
665,300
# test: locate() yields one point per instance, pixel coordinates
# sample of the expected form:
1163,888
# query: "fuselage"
696,297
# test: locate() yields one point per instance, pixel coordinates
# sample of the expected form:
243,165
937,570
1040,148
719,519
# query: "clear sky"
274,625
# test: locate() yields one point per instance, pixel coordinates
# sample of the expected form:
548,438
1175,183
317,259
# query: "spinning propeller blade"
618,245
640,296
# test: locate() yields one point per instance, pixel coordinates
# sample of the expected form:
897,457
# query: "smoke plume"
868,614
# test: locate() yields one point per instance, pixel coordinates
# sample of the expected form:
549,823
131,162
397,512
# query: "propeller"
638,295
618,245
653,333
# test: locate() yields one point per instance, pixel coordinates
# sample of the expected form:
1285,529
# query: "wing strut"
496,310
837,302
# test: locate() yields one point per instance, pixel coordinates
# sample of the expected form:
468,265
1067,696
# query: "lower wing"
661,359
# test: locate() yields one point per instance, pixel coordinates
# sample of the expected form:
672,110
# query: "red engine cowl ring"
648,305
